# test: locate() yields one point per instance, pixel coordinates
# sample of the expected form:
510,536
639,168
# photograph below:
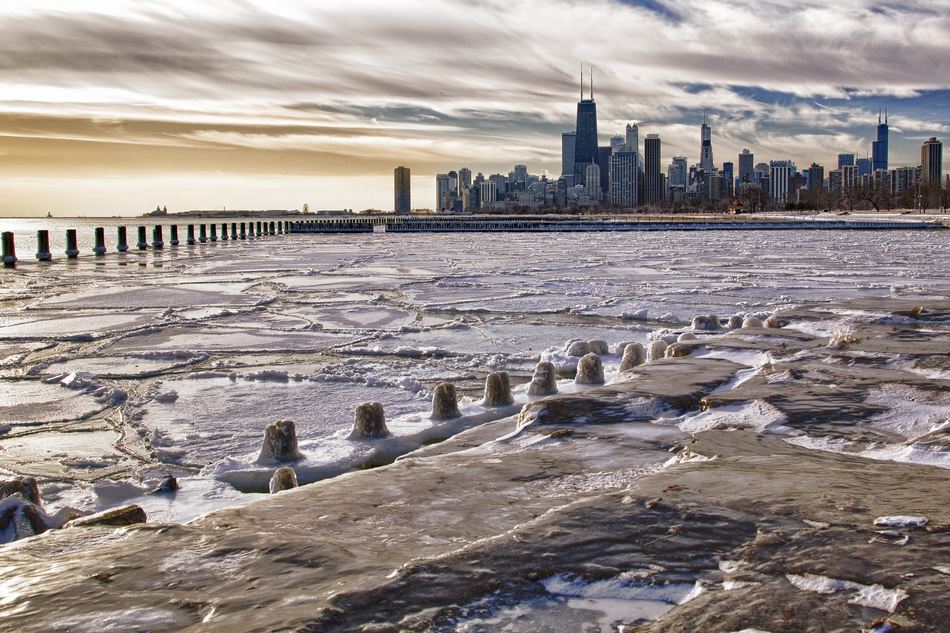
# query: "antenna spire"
582,81
591,83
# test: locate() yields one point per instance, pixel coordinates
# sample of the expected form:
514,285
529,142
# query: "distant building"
746,169
623,179
403,203
728,180
780,172
816,177
568,140
931,161
864,167
487,193
705,147
465,178
617,143
653,177
443,192
879,147
520,179
592,178
501,187
678,172
585,142
632,143
845,159
603,161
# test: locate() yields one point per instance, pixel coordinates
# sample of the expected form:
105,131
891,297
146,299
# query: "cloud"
356,88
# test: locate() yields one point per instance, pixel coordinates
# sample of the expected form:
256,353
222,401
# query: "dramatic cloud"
318,101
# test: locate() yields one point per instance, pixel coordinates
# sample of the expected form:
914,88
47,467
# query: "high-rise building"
442,192
487,193
633,138
592,178
568,140
623,179
501,186
678,172
816,177
904,178
931,161
845,159
746,169
879,147
520,179
465,178
585,143
849,177
403,203
728,180
705,147
617,143
603,161
653,177
780,172
864,167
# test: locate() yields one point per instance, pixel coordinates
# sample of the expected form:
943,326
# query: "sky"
112,107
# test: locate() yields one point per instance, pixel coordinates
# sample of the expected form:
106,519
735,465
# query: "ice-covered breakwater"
397,224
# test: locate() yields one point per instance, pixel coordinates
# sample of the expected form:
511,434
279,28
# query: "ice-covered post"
224,231
43,253
174,234
143,242
498,390
191,235
158,243
9,250
234,230
72,250
445,402
202,233
370,422
100,248
243,231
214,232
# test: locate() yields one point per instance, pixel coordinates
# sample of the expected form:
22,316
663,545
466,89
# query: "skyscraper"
603,161
442,192
465,178
780,171
864,167
879,147
618,143
746,169
633,138
402,203
845,159
568,140
623,179
592,178
487,193
520,180
677,173
931,161
728,180
816,177
705,146
652,180
585,142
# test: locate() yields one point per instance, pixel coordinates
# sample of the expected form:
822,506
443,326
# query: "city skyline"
117,108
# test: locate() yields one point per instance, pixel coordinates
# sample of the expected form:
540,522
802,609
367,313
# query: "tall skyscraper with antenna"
705,146
585,141
879,147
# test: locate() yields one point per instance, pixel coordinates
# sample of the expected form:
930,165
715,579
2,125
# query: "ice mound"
284,479
26,487
280,443
677,350
590,371
842,337
686,336
751,322
636,315
633,355
735,322
370,422
578,348
445,402
498,390
773,322
544,380
706,323
598,347
656,351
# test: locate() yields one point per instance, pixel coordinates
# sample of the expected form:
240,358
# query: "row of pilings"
222,232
